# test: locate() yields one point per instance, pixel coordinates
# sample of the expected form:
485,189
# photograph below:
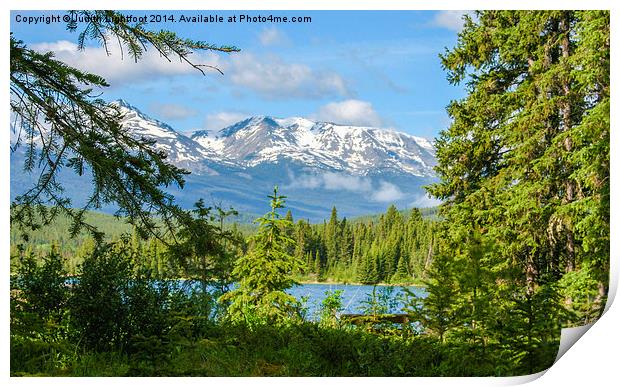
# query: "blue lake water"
354,297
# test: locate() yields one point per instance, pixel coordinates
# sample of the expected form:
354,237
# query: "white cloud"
172,111
272,36
220,120
58,46
269,76
338,181
452,20
425,201
305,181
387,192
116,69
275,79
332,181
335,181
349,112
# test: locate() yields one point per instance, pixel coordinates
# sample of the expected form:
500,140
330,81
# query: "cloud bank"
267,75
273,78
382,191
118,69
349,112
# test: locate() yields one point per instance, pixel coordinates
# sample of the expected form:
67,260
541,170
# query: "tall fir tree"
265,273
518,171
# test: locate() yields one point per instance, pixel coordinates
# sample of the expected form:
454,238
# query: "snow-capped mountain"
262,139
360,170
352,149
181,150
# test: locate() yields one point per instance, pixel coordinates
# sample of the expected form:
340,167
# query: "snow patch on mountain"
259,140
325,145
319,164
181,150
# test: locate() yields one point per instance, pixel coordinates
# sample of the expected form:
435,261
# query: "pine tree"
590,64
346,243
438,312
205,249
519,174
265,273
290,231
301,246
402,270
332,238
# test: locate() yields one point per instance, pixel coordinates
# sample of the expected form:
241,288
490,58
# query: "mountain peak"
123,103
254,121
181,150
359,150
263,140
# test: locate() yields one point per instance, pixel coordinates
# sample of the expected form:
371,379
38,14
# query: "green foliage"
532,329
36,357
98,309
57,232
436,313
519,249
206,250
390,247
109,304
331,306
380,302
84,132
43,287
581,294
409,247
39,295
265,273
156,328
515,260
236,350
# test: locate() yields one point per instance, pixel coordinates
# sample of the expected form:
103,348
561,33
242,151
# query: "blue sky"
375,68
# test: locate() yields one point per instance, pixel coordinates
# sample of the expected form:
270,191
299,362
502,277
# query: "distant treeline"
393,247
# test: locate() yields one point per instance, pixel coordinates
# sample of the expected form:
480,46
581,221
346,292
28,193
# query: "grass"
301,350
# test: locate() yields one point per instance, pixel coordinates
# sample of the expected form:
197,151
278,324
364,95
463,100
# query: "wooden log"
358,319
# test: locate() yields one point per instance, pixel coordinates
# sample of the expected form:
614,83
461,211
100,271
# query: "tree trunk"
531,275
566,111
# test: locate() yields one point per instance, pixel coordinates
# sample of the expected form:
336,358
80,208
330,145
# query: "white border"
593,359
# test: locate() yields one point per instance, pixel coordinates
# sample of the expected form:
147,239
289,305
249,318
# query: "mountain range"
317,165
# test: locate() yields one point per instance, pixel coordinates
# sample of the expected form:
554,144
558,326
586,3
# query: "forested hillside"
394,248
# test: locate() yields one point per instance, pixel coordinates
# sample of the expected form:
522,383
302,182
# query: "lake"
353,296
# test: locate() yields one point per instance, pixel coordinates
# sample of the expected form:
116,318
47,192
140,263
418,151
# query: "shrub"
43,287
110,305
331,306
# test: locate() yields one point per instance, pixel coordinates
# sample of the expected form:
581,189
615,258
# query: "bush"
331,306
110,305
43,288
